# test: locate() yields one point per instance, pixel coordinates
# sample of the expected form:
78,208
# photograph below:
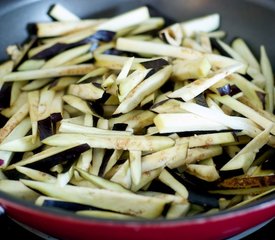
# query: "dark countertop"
11,230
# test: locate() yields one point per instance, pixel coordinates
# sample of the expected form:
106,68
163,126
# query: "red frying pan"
250,19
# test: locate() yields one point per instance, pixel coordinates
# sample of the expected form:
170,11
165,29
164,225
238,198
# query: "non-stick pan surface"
252,20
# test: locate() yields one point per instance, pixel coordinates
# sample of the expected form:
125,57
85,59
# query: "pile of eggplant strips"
130,117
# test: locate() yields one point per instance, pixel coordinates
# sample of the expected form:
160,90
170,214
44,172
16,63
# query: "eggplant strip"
48,154
112,161
146,178
236,123
54,29
204,172
160,49
78,104
19,131
159,159
248,191
252,147
150,24
66,56
80,59
116,62
135,166
244,110
185,122
191,69
33,100
36,85
128,203
240,46
66,127
98,153
104,214
36,175
143,143
143,89
195,88
136,119
62,14
85,91
123,175
62,83
101,182
249,89
128,19
20,145
247,182
18,189
207,139
128,84
14,121
268,73
80,69
195,155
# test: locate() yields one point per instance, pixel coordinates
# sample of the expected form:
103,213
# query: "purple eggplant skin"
197,195
113,51
228,89
96,106
45,128
200,100
69,155
224,90
102,36
107,155
95,39
158,104
5,95
156,64
68,206
120,126
234,90
55,118
53,50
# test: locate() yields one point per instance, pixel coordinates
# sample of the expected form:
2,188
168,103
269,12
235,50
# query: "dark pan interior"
252,20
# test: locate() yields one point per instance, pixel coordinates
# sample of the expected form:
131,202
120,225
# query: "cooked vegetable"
130,118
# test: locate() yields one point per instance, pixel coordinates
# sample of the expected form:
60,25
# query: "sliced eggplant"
143,89
195,88
60,13
18,189
80,69
101,182
129,203
14,121
51,157
133,142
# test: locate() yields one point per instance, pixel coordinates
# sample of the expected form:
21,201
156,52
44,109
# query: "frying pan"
252,20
